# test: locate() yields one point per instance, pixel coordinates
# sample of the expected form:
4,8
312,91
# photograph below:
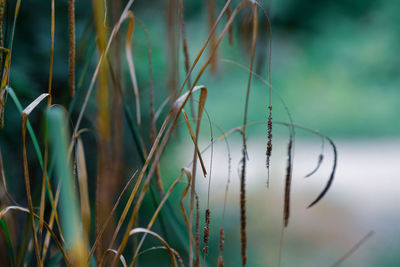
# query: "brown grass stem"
243,233
72,53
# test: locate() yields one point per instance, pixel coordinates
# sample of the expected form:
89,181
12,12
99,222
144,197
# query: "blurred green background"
335,63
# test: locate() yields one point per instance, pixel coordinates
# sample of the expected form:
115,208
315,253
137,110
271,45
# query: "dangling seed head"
206,231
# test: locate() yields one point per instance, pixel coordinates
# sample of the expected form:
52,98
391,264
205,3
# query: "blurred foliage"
334,62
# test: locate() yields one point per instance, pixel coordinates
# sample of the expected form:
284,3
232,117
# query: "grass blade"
83,190
194,142
98,237
69,206
131,65
25,114
210,4
155,214
4,211
4,227
142,230
4,79
121,257
28,125
354,248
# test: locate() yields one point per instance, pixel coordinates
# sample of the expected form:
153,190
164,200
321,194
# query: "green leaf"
29,126
4,227
70,217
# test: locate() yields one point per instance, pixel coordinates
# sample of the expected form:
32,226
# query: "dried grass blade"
182,208
185,48
184,194
194,142
53,217
155,214
142,230
160,109
211,18
4,80
43,192
25,114
121,257
83,190
104,188
203,98
131,65
5,210
354,248
32,106
98,237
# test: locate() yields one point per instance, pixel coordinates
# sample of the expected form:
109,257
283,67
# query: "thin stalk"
243,232
71,55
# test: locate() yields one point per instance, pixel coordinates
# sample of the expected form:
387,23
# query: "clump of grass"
65,228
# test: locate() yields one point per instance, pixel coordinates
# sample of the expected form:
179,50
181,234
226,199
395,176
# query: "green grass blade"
29,126
4,227
69,206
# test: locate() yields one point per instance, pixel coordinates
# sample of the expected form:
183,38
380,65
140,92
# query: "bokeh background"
335,64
